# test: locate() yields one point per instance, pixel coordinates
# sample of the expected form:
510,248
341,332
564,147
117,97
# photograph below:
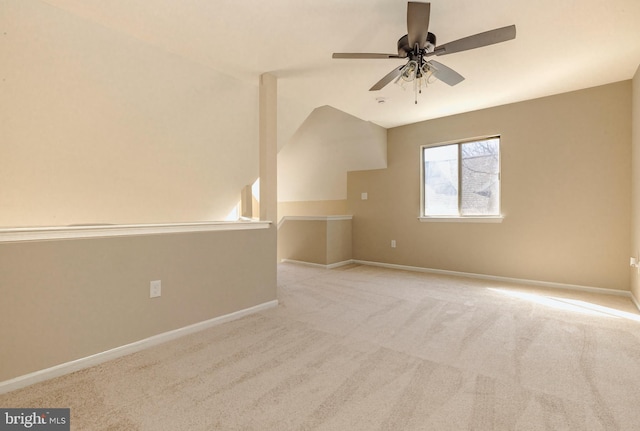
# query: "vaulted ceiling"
561,45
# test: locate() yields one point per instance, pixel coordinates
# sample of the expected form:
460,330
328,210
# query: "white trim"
314,218
464,140
101,231
98,358
319,265
319,218
524,281
488,219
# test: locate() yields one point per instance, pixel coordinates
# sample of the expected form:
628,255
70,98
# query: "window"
461,180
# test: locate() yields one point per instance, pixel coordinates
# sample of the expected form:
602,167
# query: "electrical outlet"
393,243
364,196
155,289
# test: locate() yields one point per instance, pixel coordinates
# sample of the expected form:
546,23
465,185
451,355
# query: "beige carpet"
365,348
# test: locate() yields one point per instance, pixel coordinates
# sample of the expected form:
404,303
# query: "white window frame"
460,218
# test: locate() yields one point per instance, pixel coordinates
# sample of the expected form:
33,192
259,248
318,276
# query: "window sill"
488,219
102,231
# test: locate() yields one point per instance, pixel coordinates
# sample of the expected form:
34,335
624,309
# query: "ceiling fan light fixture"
409,71
421,76
427,73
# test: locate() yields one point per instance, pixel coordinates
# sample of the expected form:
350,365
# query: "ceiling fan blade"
445,74
387,79
363,55
418,23
477,40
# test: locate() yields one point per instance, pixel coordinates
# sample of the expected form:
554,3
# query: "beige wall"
312,181
101,127
313,165
319,240
566,174
339,241
65,300
314,241
635,199
268,123
304,241
313,208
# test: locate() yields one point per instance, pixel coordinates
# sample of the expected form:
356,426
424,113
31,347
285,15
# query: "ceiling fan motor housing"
404,50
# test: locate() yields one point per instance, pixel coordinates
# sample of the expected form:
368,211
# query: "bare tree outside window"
462,179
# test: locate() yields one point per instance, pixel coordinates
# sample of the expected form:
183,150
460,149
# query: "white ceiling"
561,45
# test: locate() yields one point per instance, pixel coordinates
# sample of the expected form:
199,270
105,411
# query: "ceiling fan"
419,44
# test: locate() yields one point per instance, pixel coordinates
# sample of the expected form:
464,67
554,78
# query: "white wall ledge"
107,230
314,218
319,218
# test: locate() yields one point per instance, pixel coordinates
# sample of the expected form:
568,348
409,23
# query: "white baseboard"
319,265
98,358
537,283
